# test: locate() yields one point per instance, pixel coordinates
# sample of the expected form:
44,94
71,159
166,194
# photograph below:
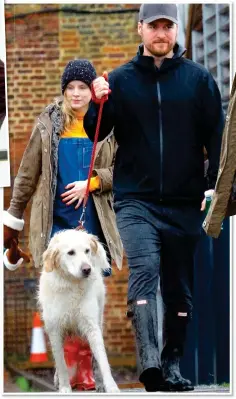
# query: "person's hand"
208,194
203,205
76,191
14,253
100,86
9,235
13,257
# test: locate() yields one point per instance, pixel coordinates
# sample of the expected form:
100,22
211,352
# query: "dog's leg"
94,337
97,376
96,370
55,379
58,354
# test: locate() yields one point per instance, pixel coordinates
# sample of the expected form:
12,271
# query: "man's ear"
140,27
51,259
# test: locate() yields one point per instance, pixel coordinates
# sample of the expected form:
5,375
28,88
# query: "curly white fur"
71,296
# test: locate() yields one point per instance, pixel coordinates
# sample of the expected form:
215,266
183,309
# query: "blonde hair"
69,116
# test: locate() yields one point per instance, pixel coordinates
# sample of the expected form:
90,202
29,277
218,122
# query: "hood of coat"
52,117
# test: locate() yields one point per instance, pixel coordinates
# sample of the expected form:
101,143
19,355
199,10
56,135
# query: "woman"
55,167
223,202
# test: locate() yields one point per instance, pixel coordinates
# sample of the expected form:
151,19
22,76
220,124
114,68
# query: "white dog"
71,296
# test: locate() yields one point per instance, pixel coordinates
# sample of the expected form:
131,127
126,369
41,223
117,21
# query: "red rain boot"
71,349
78,358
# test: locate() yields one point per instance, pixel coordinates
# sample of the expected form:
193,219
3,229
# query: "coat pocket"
87,154
110,203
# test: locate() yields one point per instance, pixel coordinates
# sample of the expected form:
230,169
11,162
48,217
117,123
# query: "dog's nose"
86,270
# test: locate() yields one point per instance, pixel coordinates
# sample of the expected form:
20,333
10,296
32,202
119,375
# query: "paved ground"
198,389
10,386
42,381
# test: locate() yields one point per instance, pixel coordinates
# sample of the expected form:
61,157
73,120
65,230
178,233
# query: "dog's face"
77,253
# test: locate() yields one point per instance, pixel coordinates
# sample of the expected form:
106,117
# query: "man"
164,109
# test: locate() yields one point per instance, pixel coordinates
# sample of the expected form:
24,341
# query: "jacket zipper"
161,139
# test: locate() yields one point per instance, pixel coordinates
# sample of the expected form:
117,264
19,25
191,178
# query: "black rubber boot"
174,334
144,321
174,382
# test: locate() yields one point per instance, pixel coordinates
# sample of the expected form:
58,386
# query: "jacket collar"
47,115
147,62
46,119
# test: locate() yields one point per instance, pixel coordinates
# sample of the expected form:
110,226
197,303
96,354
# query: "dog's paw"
112,389
56,381
65,390
100,388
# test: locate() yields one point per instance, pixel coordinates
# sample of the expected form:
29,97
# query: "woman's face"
78,94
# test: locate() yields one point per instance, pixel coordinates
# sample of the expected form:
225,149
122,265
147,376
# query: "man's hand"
76,191
203,205
101,86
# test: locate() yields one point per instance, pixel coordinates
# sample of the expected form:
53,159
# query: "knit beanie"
79,69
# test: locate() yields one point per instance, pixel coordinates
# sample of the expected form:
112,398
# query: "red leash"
101,103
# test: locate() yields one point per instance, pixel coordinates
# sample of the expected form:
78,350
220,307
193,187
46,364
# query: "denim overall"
74,157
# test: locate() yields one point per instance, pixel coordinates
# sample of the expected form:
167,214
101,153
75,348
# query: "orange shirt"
77,130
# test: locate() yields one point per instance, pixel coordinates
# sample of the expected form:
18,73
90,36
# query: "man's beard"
160,52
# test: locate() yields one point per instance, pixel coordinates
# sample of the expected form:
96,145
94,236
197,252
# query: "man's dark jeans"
160,239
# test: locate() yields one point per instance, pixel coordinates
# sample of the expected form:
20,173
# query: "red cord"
101,103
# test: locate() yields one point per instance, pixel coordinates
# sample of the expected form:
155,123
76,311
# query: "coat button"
204,224
227,117
45,150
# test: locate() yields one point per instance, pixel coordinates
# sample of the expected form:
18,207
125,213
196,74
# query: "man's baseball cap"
151,12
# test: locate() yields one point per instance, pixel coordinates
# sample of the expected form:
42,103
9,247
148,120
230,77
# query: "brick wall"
38,47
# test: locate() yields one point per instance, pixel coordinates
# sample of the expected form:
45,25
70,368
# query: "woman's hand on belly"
75,191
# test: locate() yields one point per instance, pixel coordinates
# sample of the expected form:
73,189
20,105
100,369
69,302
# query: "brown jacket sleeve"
222,204
106,174
28,175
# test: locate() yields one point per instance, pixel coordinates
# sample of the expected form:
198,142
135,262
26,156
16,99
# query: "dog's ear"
93,244
100,254
51,259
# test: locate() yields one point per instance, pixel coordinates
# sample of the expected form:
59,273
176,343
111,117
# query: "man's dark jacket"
162,119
